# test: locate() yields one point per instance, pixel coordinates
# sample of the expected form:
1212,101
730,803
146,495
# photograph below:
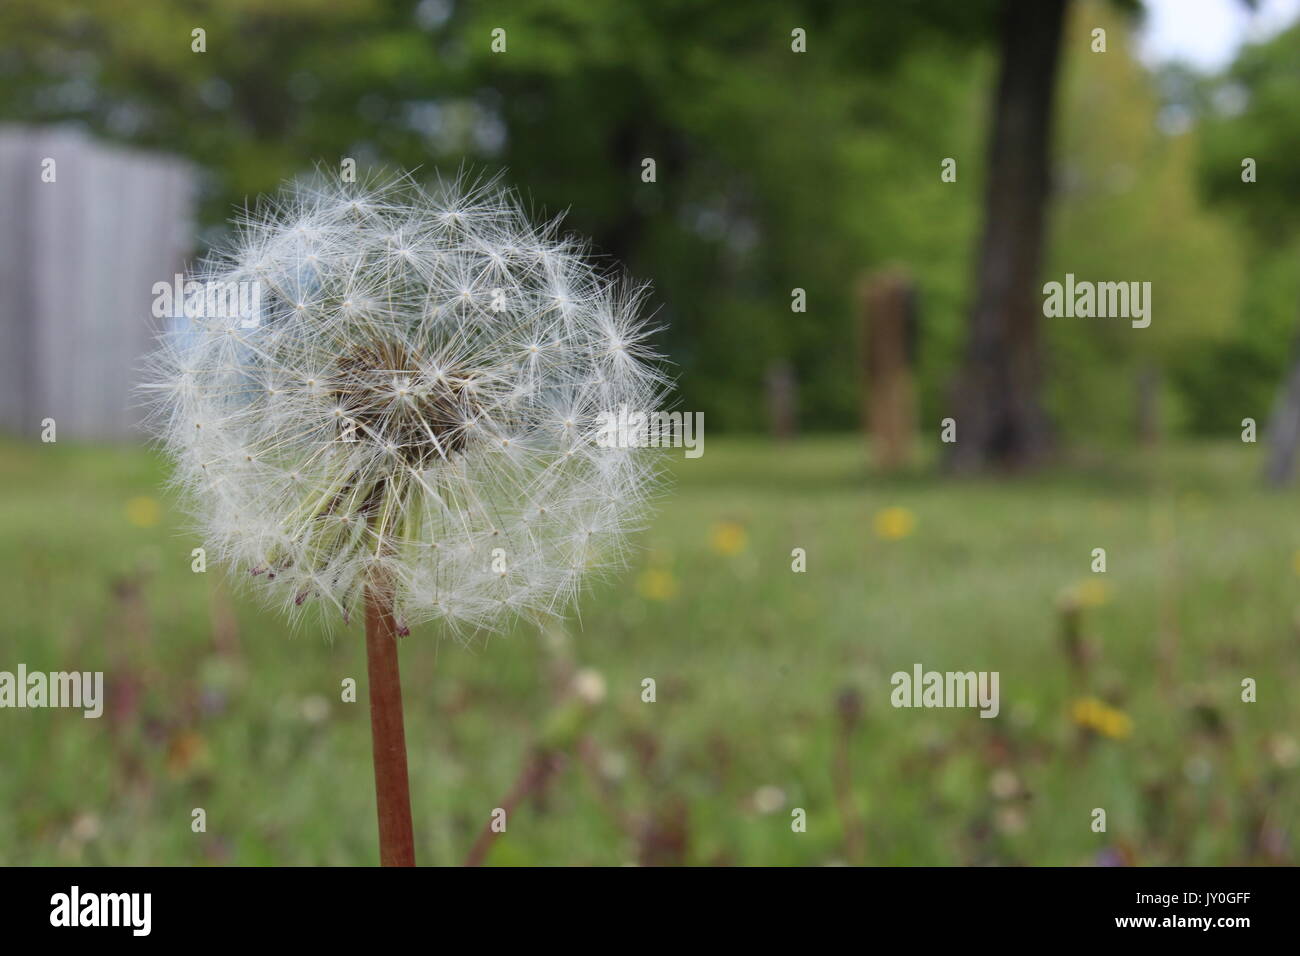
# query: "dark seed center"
386,399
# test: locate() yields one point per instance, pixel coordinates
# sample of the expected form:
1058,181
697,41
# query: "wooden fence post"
889,332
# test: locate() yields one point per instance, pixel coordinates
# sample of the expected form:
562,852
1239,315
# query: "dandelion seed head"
379,425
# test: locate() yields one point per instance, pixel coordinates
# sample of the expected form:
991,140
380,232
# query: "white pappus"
414,406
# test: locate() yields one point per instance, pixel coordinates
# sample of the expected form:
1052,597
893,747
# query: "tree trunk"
1148,405
999,417
782,390
1283,434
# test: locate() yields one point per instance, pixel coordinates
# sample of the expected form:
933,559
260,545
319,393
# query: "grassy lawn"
772,687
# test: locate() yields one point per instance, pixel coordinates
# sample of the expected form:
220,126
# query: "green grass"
215,704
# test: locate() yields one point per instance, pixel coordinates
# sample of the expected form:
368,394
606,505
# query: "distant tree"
1001,418
1249,114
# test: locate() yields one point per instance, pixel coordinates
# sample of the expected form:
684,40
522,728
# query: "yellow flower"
1116,724
187,751
1099,717
656,584
728,538
894,523
1083,710
143,512
1092,592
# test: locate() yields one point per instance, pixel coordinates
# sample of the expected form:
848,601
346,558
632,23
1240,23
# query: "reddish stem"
392,786
540,767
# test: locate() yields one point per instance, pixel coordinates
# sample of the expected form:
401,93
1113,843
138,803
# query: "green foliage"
776,170
1250,113
1127,210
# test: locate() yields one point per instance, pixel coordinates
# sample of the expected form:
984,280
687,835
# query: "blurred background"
852,211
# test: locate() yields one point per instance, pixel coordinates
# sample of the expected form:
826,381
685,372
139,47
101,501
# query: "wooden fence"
79,255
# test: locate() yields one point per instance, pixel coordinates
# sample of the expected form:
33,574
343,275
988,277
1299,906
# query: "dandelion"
768,799
186,751
143,511
1004,784
406,427
1010,820
589,686
656,584
894,524
1091,593
728,538
1096,715
1284,750
315,709
86,827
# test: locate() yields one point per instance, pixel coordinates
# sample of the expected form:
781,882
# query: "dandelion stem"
392,787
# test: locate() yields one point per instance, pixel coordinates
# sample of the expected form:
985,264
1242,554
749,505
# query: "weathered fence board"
78,260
